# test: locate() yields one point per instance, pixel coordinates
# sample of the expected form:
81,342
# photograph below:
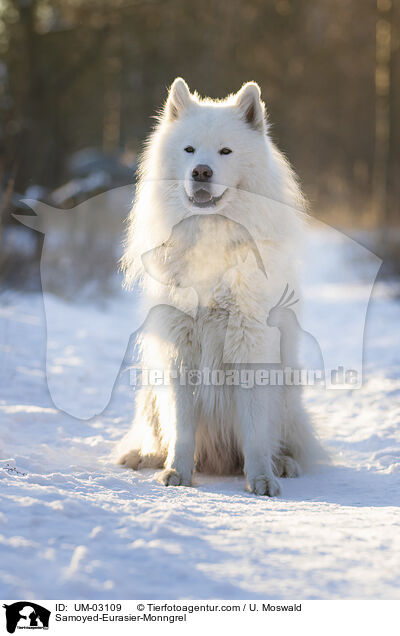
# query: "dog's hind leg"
136,460
286,466
131,459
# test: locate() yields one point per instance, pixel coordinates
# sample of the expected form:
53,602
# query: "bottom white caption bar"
155,617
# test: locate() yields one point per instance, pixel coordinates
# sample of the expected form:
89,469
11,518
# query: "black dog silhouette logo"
26,615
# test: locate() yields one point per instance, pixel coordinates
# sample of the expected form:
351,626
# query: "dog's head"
211,148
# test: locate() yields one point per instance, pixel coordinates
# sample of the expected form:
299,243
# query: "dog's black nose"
202,173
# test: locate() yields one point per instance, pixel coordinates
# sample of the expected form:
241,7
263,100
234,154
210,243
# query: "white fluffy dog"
214,238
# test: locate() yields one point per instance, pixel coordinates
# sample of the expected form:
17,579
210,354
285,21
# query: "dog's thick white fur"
195,246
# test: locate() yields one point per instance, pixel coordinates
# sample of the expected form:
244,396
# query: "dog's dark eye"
189,149
225,151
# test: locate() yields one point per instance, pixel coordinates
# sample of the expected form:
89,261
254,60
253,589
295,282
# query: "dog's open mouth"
203,199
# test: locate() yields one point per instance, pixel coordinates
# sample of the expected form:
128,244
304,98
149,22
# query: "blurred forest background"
80,80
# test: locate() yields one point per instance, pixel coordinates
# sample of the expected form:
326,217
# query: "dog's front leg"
180,458
258,440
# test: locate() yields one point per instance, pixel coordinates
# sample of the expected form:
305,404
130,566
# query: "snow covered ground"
74,525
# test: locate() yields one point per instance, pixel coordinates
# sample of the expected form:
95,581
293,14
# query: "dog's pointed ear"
248,100
179,99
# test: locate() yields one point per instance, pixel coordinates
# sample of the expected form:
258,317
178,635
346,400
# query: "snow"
75,525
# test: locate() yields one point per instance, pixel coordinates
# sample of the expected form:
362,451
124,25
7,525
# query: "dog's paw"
131,459
286,466
171,477
264,485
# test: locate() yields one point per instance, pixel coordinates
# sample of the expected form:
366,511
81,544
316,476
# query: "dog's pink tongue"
202,196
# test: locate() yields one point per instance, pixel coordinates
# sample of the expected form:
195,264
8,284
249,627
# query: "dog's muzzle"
202,198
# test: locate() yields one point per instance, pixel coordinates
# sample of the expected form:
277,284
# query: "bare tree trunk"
393,191
382,111
112,81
